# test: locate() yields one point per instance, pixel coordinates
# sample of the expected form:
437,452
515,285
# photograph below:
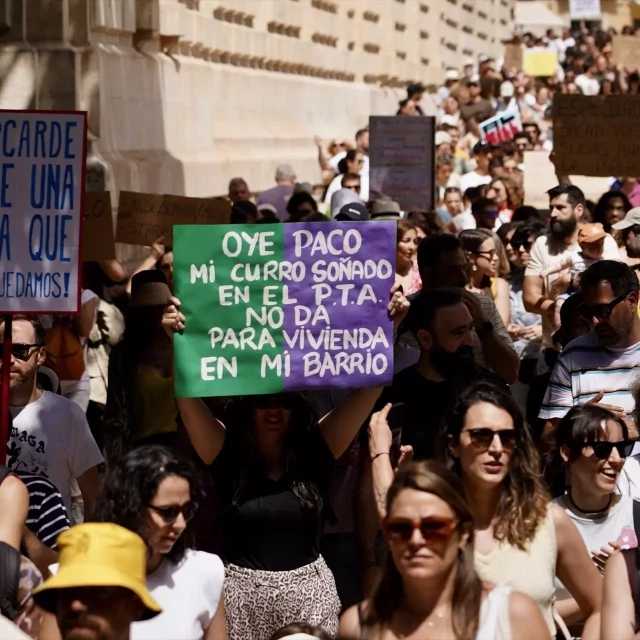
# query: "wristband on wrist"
377,455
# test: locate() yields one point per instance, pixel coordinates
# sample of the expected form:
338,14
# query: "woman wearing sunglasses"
271,462
153,492
520,540
429,588
592,444
483,260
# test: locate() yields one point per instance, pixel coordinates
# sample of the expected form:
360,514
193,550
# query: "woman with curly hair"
429,588
153,492
520,540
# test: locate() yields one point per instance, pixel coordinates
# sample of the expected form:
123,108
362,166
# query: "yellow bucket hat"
99,555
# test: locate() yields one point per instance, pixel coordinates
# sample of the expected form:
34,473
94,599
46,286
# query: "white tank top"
494,623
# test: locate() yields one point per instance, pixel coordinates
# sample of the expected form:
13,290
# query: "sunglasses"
525,245
492,253
353,187
285,401
484,437
600,311
433,530
170,513
602,449
22,351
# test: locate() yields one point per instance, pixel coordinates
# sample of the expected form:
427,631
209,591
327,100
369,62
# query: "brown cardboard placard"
540,176
97,232
597,135
214,211
143,218
138,218
513,56
625,51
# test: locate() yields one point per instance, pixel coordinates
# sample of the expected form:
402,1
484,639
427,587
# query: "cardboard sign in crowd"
41,210
145,217
597,135
401,160
272,308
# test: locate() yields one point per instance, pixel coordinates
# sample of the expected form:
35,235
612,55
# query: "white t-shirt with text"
51,438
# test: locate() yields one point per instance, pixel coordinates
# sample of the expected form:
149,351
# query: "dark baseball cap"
483,146
353,212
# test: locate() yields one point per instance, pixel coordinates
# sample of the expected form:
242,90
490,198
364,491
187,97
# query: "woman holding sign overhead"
271,461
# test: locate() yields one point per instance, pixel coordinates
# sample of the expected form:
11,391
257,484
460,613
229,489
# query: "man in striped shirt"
603,365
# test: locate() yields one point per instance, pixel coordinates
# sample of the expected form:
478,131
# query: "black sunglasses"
170,513
22,351
600,310
602,449
285,401
484,437
526,245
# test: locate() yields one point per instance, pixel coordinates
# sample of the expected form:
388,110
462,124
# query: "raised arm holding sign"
41,212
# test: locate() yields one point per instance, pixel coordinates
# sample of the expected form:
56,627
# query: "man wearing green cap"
100,586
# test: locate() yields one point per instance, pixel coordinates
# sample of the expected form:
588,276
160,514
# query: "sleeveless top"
493,623
531,571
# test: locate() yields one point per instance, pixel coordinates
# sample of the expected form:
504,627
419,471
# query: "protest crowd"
488,489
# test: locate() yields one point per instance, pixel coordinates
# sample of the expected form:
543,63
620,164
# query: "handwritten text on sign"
597,135
285,307
41,173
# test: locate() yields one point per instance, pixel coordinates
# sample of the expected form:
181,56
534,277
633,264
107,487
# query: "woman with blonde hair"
486,258
429,588
520,539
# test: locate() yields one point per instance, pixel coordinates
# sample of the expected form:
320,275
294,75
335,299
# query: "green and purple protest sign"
279,307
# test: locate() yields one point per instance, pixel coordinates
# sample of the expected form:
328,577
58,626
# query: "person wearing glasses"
601,366
271,461
50,435
485,213
480,250
351,181
153,492
592,444
430,588
352,162
521,540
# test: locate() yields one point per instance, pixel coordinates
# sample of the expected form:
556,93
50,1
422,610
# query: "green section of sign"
219,278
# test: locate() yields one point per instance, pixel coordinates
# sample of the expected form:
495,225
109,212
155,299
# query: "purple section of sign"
337,332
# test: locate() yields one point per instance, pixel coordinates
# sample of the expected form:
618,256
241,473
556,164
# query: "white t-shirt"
364,173
473,179
51,438
189,594
588,86
549,254
599,532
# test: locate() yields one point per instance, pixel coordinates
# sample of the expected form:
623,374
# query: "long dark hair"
600,210
139,336
132,483
249,463
432,477
524,500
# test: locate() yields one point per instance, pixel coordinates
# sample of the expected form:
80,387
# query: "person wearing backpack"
50,435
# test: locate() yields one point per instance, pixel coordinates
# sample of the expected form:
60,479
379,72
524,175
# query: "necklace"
430,623
592,511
